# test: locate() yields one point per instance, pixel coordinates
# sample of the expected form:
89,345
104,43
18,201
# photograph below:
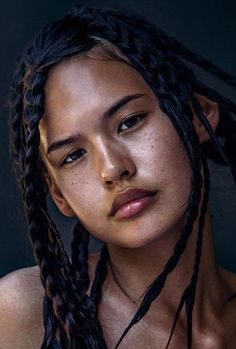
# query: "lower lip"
134,207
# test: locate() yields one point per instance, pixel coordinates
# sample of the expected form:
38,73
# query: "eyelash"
135,116
76,151
72,153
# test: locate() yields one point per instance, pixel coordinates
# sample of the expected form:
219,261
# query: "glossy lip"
127,197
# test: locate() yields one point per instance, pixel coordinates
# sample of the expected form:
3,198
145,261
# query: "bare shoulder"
22,289
21,300
21,304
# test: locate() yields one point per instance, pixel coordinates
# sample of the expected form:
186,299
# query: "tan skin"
145,152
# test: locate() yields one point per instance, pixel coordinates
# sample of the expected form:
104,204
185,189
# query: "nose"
116,164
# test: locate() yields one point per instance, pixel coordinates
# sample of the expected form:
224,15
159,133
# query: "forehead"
87,85
82,76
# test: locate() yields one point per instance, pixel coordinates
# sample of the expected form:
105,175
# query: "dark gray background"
208,27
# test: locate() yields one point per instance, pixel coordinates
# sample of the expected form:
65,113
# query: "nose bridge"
114,161
111,154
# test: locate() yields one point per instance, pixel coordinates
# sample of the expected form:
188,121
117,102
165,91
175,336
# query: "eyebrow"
107,114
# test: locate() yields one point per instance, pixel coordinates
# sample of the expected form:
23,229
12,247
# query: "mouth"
131,202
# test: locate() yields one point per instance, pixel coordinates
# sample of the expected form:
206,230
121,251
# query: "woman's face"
92,154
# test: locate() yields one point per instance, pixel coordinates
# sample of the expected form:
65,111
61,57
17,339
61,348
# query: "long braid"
16,132
79,255
51,325
193,284
100,274
189,293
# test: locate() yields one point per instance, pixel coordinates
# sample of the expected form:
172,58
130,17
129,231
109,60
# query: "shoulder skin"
21,317
21,307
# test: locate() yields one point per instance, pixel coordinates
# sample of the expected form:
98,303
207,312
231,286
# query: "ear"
58,197
211,111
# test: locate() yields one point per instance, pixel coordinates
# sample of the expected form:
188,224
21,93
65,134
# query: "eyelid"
71,152
137,114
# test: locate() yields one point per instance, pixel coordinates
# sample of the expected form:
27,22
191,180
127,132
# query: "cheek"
176,171
163,159
81,192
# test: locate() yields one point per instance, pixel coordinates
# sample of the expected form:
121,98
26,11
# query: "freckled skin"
78,91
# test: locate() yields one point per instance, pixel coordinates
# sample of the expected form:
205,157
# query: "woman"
109,118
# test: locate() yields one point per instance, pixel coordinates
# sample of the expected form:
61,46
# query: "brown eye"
73,156
131,122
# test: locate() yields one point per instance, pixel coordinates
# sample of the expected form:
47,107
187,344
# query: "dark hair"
70,314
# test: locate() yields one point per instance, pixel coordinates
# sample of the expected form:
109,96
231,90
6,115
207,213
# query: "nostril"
109,182
125,173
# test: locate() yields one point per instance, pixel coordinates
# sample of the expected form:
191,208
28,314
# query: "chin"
149,234
137,240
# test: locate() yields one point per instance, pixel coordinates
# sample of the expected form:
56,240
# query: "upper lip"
128,196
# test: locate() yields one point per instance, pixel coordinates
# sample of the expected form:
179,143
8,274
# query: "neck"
133,270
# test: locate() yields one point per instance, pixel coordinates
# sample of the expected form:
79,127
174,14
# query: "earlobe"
58,197
211,111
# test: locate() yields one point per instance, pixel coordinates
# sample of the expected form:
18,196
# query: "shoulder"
21,302
22,289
